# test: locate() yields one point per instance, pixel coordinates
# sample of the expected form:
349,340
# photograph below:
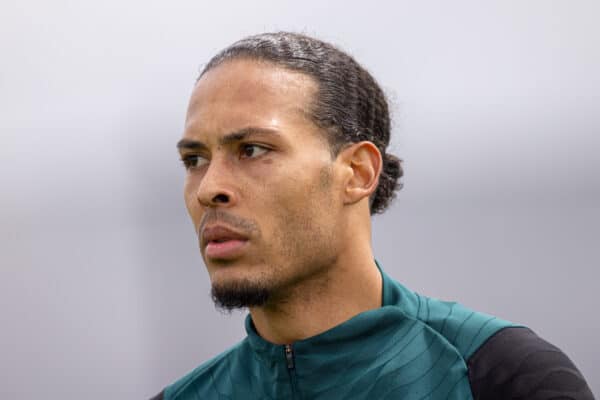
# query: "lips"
221,242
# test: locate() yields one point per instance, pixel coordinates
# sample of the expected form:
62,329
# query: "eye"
252,150
193,161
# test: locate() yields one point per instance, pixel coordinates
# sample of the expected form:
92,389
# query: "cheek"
191,200
301,201
285,192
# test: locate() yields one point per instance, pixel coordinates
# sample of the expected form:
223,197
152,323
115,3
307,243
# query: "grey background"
102,289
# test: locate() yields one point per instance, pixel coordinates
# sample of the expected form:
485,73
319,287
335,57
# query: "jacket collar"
371,325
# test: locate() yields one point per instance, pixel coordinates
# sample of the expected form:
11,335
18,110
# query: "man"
285,151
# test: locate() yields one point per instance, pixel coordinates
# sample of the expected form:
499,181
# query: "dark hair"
350,106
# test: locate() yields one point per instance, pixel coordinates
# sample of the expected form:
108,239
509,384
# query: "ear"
362,163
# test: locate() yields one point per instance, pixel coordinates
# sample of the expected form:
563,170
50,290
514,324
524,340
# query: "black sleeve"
158,396
515,363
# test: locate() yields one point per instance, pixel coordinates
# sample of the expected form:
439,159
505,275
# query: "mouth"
220,242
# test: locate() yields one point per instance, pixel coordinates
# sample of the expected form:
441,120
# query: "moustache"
245,226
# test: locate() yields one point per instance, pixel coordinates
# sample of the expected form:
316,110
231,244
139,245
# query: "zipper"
289,356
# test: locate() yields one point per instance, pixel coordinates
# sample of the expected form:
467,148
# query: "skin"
306,214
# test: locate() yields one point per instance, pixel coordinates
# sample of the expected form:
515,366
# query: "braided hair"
349,106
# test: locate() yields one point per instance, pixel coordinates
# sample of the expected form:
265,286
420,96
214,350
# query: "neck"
351,286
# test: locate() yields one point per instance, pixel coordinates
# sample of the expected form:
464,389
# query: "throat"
306,312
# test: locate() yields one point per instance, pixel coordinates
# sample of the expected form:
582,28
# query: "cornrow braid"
350,106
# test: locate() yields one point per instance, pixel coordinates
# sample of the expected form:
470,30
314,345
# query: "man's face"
261,186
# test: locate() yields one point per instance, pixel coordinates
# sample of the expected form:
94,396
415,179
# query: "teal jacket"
412,347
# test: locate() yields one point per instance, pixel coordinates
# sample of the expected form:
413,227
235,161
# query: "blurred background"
103,293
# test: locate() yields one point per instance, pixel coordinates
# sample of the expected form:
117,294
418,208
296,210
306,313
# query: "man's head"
349,105
284,145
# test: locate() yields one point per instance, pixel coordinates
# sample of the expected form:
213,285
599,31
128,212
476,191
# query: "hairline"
329,134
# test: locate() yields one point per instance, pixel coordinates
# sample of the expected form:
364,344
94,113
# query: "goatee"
239,295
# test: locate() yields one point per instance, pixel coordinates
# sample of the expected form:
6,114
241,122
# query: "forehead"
246,92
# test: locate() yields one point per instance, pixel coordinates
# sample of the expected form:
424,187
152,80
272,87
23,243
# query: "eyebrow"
232,137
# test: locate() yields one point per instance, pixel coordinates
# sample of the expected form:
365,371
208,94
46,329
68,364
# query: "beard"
237,295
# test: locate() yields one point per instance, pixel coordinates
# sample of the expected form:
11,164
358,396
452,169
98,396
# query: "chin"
239,286
230,294
223,272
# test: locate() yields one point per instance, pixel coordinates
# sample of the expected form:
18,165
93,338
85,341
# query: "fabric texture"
515,363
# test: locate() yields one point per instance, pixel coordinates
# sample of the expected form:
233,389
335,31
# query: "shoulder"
461,328
517,363
503,360
206,378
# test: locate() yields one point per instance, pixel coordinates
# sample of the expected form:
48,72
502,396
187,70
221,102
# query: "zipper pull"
289,356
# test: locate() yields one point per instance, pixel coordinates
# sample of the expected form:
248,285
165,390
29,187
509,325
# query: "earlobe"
364,164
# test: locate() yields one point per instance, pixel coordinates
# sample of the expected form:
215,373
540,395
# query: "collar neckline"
367,323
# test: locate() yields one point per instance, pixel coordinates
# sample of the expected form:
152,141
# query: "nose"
216,189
